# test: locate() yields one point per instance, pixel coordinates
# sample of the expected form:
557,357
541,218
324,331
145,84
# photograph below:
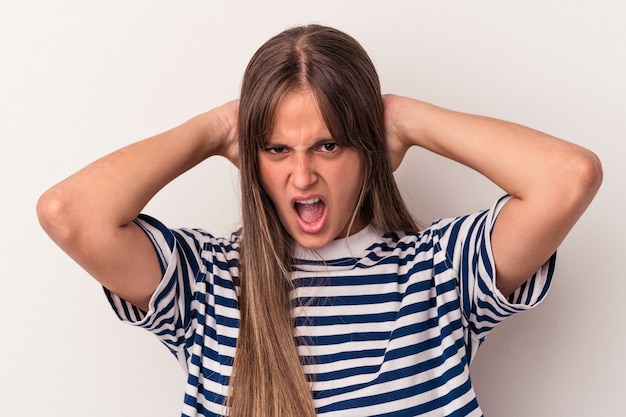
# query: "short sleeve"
467,244
171,306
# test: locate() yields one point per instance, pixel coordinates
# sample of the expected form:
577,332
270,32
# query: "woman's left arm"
551,181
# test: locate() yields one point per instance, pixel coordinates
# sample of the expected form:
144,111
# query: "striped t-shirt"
391,322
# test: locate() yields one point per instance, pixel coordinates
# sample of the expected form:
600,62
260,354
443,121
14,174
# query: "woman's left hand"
551,181
397,144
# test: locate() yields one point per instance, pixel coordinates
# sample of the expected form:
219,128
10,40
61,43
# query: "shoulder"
467,227
195,248
191,236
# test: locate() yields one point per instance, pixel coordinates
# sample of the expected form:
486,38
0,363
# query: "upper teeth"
310,201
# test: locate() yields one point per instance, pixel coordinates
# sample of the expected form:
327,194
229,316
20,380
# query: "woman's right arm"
90,214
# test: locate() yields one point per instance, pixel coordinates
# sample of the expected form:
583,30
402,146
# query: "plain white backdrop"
80,79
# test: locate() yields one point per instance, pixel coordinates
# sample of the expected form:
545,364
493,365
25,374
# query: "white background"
79,79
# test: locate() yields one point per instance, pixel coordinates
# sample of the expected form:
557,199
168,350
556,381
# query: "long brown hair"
268,379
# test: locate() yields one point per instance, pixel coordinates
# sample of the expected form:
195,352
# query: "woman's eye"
329,147
275,149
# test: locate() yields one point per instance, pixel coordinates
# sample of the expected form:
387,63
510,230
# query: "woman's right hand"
228,114
90,214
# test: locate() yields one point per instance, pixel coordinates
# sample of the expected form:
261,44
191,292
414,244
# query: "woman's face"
313,182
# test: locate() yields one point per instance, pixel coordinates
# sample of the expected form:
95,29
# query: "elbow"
54,216
583,179
590,174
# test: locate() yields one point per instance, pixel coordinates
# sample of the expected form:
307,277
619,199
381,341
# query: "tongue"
310,213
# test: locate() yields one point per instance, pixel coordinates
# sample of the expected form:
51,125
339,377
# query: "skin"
90,214
302,162
551,181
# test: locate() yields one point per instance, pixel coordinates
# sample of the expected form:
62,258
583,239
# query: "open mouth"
310,211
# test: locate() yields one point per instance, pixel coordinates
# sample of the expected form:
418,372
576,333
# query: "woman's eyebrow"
279,142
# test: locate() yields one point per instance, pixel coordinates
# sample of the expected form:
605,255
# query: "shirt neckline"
352,246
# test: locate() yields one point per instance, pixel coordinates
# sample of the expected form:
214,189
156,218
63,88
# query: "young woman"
328,301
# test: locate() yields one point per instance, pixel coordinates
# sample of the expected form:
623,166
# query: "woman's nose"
303,173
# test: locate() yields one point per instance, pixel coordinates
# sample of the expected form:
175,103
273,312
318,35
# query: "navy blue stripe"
345,281
345,355
347,337
389,316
